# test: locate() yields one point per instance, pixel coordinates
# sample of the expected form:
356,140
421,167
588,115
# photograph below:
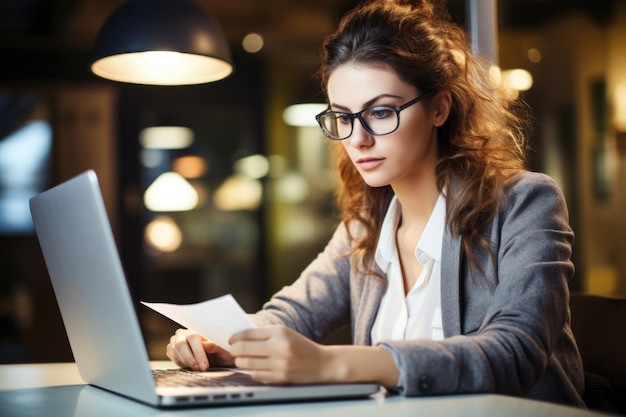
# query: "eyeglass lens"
378,120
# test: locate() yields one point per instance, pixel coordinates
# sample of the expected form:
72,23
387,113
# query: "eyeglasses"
378,120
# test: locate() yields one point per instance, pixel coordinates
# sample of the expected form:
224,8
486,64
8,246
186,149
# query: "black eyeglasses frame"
357,115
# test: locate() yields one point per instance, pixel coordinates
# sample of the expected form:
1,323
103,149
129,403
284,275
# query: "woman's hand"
277,355
188,349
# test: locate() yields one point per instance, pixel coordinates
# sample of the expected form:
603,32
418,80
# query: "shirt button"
425,384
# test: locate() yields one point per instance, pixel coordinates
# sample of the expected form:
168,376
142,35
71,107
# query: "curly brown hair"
482,144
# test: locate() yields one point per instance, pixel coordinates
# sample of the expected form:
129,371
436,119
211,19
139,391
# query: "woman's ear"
442,105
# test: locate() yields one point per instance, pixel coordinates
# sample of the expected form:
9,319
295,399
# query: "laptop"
99,315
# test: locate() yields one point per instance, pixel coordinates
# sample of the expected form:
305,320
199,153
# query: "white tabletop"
13,377
57,390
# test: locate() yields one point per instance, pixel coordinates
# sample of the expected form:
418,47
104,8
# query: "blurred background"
255,184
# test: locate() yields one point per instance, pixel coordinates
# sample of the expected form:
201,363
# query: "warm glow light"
163,234
619,116
534,55
161,42
253,166
170,192
238,193
166,58
190,166
292,188
166,137
303,114
162,68
252,43
517,79
495,74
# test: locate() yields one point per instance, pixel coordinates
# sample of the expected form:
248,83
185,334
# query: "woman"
452,261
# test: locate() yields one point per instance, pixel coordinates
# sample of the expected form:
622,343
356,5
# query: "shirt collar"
430,243
386,248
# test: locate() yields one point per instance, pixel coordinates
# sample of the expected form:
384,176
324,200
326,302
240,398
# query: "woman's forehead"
353,84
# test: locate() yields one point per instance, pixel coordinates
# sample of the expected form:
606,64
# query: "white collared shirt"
418,315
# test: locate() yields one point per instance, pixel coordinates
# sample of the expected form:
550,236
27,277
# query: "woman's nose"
360,137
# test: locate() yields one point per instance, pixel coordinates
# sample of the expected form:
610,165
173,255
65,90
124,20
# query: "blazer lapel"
450,284
370,289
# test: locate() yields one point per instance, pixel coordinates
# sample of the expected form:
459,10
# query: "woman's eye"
380,112
343,119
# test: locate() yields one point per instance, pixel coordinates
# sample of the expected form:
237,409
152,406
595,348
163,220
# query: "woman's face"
407,155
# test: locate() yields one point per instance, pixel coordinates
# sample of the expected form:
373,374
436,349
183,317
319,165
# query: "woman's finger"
186,350
196,346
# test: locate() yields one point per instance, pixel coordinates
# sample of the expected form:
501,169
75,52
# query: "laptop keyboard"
212,378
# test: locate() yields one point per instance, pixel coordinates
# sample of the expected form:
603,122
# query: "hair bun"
433,9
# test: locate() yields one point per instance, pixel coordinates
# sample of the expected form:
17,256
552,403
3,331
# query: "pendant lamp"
161,42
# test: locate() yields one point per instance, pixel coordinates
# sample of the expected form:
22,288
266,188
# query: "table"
56,389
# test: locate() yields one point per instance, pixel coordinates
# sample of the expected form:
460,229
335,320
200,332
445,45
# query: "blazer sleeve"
318,302
523,334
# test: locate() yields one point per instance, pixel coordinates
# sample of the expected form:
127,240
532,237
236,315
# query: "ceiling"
293,28
75,23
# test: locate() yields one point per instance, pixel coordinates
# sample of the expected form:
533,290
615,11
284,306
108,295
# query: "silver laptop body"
83,262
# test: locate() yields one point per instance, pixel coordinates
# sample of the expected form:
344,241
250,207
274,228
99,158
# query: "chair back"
599,326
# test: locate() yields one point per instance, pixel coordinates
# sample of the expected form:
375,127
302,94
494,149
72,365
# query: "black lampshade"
161,42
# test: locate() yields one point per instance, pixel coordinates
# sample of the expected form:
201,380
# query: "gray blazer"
506,332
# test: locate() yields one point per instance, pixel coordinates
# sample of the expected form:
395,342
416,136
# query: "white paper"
217,319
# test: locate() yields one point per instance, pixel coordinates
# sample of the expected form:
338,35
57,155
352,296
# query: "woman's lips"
368,164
